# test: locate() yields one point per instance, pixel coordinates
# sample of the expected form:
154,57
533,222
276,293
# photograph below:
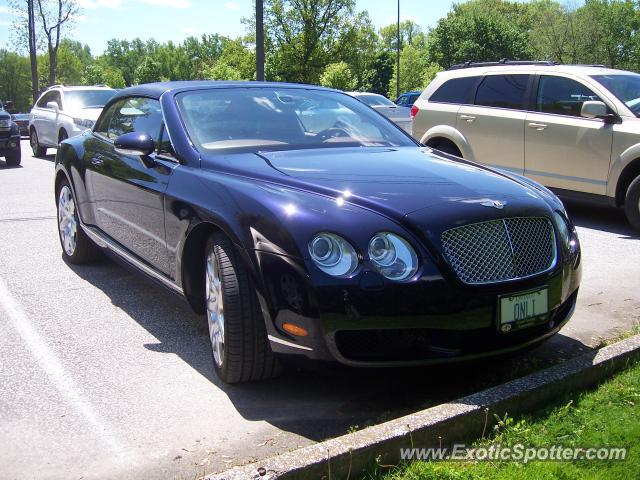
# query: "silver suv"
573,128
62,112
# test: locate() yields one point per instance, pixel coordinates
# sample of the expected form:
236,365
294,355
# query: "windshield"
374,100
76,99
625,87
253,119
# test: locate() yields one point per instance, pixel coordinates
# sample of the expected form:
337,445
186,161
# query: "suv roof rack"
504,61
501,62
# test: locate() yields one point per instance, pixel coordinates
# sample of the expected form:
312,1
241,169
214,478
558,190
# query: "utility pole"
398,55
260,40
33,53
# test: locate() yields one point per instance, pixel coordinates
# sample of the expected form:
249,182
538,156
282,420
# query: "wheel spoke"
215,309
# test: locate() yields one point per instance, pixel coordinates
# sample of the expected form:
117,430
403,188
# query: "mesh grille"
500,250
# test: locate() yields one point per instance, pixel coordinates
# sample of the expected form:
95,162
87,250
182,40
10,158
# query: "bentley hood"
400,181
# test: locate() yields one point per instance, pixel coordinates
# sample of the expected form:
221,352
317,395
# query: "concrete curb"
461,420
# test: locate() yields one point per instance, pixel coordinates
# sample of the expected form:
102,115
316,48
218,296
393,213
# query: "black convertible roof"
155,90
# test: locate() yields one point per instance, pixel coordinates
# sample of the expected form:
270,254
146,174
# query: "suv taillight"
414,111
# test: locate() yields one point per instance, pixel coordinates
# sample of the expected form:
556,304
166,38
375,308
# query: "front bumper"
8,143
366,321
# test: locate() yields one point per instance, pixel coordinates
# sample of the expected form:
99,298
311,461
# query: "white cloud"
189,30
232,5
5,23
168,3
117,4
113,4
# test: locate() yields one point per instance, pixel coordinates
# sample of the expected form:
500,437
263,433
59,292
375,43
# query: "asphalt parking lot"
105,375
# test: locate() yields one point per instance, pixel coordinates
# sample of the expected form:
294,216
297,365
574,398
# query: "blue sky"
101,20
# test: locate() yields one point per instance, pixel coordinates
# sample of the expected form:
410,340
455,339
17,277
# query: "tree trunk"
33,54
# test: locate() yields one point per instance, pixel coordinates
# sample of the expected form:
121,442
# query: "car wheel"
63,136
241,350
77,248
14,158
632,204
38,150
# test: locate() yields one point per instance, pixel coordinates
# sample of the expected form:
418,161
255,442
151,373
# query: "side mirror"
53,106
135,143
593,109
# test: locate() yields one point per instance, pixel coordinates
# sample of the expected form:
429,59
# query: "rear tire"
38,150
241,350
14,158
632,204
77,247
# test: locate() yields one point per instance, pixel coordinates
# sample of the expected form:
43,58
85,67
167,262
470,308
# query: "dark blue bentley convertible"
305,224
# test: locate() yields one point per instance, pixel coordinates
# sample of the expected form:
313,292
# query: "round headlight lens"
563,229
333,254
393,256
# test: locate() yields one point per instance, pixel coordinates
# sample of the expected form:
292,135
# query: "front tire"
14,158
632,204
38,150
241,350
77,248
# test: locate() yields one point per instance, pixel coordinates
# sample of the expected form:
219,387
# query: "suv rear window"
503,91
456,90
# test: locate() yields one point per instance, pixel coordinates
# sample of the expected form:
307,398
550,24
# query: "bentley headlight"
392,256
563,229
333,254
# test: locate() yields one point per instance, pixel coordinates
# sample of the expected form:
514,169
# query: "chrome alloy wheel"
215,307
67,220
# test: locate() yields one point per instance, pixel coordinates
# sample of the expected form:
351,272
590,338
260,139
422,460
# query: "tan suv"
573,128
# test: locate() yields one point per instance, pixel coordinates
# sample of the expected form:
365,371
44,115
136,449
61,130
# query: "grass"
606,417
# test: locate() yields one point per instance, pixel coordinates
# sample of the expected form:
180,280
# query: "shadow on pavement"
600,217
4,166
312,403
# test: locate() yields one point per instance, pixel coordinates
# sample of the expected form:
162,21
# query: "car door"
43,117
494,124
128,190
562,149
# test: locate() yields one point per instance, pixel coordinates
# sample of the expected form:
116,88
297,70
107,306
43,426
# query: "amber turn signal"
295,330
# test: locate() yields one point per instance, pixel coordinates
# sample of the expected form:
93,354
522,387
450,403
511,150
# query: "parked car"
573,128
407,99
342,243
401,116
22,120
9,139
62,112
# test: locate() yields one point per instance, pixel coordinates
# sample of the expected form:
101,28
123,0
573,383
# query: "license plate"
518,308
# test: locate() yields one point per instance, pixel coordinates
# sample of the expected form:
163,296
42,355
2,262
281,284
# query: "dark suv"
9,139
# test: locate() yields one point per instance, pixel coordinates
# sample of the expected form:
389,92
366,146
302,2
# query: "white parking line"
56,372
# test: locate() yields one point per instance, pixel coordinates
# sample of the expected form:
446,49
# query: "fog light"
294,330
13,145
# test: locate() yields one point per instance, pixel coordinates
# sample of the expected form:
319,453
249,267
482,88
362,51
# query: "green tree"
125,56
381,72
148,71
96,74
302,36
338,75
222,71
413,64
15,80
409,32
481,30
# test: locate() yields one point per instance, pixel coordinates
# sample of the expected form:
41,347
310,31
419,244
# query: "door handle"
97,161
538,126
467,118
